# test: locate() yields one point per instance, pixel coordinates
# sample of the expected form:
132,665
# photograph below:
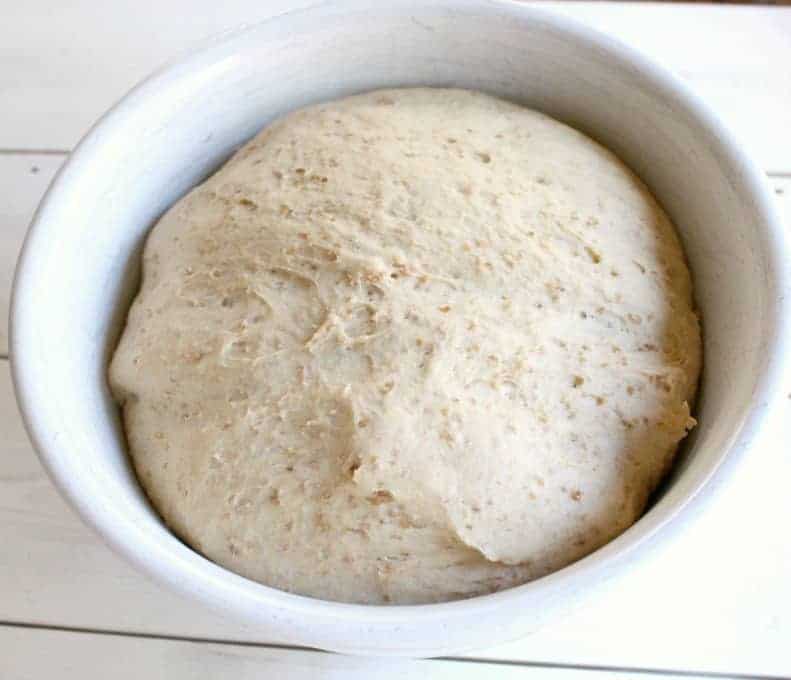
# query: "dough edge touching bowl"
78,261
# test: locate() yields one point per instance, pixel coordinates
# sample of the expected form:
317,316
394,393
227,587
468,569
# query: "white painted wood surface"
65,62
39,654
717,599
23,179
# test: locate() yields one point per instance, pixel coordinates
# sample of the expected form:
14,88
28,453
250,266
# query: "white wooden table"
715,601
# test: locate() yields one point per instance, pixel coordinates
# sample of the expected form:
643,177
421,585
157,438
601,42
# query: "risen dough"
410,346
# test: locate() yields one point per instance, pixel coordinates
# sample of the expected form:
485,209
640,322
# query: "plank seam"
455,659
34,152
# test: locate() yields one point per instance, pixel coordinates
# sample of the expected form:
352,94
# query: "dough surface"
409,346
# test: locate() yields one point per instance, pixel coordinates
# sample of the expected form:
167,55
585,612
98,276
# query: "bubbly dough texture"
409,346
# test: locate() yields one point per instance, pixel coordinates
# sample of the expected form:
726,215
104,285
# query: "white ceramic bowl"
78,270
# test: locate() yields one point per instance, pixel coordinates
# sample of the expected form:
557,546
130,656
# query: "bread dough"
410,346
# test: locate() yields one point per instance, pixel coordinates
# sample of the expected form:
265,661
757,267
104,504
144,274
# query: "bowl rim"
226,590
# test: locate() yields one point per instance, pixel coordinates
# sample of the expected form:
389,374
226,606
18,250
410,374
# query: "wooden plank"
24,179
48,581
65,63
717,599
33,654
